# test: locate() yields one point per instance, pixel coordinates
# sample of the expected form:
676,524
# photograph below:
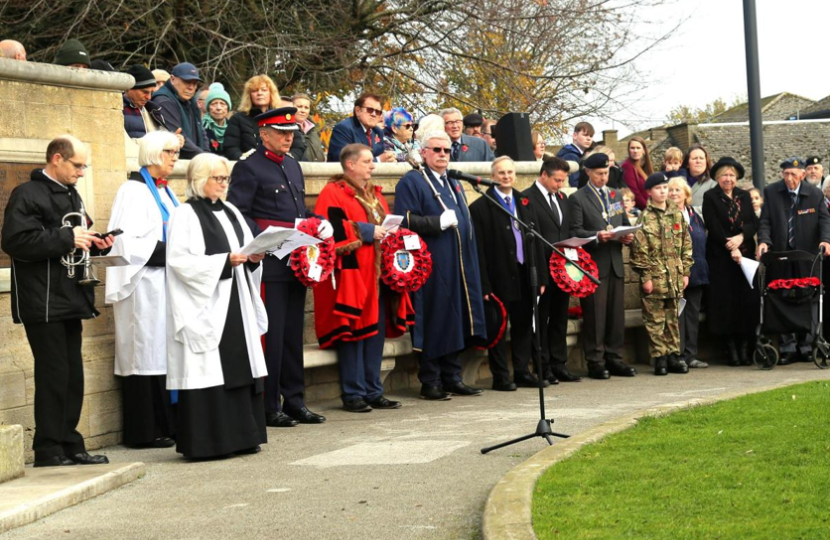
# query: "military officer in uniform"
268,187
596,211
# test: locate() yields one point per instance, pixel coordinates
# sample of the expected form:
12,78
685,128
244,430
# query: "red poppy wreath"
404,270
305,260
572,280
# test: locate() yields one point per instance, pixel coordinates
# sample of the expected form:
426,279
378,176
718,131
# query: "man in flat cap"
268,187
595,210
142,116
176,101
794,217
472,124
464,147
814,171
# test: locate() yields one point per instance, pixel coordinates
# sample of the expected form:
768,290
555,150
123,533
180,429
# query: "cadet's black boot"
660,365
676,365
732,348
745,352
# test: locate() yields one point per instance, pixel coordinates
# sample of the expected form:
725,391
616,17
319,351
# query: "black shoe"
503,385
248,451
54,461
676,365
618,368
383,403
660,366
732,349
563,374
356,405
528,380
598,371
304,416
279,419
434,393
82,458
787,359
461,389
744,352
162,442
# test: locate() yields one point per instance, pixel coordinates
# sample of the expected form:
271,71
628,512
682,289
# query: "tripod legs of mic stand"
542,430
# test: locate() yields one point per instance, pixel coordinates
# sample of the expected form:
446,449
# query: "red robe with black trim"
350,312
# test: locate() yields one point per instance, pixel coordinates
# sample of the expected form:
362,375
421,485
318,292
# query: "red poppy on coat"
525,201
560,195
377,139
677,226
464,147
613,194
214,144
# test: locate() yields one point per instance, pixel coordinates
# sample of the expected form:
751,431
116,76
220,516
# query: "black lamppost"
753,85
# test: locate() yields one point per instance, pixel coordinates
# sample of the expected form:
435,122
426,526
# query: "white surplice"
137,292
198,303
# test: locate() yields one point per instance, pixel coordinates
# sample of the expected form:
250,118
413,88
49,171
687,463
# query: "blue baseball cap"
186,72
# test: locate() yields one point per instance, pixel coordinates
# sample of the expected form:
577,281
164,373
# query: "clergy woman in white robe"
215,320
138,294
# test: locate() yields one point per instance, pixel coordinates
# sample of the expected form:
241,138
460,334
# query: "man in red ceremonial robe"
360,312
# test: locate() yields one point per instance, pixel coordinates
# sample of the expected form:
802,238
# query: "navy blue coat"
697,230
477,149
570,152
182,114
449,308
351,131
263,189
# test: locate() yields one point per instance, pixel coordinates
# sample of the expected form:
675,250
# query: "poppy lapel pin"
525,201
464,147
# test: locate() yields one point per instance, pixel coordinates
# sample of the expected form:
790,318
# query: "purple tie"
520,252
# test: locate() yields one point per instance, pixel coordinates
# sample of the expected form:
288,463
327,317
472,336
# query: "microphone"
475,180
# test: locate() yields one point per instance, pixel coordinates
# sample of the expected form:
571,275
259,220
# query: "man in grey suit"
595,211
464,147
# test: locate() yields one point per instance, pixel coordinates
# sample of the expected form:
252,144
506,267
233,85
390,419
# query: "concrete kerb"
508,510
29,511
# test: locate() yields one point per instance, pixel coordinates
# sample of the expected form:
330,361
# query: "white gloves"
325,230
448,219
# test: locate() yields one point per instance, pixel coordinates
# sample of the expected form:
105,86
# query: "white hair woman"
428,124
217,318
137,292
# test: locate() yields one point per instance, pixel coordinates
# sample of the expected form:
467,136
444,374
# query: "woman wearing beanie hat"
73,54
215,122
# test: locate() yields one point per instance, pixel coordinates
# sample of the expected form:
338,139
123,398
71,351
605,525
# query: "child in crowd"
757,200
662,255
673,160
631,211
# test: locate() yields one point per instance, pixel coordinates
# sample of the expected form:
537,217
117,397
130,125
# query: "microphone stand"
543,427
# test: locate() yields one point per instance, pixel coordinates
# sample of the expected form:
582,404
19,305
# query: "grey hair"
428,124
430,135
152,146
199,170
499,160
450,110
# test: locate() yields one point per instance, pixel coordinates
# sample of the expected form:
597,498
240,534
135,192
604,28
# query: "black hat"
144,78
597,161
473,119
812,160
72,52
495,316
724,161
655,179
283,119
792,163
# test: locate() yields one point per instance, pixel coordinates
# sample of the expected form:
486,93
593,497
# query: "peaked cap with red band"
283,119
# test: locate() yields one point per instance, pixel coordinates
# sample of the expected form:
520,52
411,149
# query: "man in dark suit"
595,211
504,263
464,147
552,216
794,217
363,127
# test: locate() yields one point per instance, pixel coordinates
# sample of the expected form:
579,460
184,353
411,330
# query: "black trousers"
520,315
148,412
444,370
285,304
690,322
603,328
59,387
553,317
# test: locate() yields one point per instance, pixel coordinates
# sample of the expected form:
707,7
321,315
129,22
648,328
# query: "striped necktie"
791,222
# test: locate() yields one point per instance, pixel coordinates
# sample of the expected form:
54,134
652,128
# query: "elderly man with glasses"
449,308
364,128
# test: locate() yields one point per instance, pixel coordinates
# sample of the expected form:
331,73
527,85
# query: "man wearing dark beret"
814,171
794,217
595,210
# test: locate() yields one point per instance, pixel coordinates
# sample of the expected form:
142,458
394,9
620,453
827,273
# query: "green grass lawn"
754,467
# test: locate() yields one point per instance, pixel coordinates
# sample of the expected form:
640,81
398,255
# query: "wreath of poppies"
801,283
321,254
492,341
401,269
569,278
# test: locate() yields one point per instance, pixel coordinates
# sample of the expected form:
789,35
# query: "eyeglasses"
440,150
171,152
78,166
221,180
453,122
407,126
372,111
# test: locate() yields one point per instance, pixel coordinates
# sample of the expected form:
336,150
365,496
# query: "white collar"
504,196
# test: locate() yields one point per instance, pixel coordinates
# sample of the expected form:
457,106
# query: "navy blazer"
812,221
351,131
476,149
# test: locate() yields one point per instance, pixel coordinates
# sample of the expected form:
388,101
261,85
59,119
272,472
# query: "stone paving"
414,473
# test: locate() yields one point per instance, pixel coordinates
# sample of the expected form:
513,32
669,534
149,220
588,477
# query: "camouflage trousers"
662,324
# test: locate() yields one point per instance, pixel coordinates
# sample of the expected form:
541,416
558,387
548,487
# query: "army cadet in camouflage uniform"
662,254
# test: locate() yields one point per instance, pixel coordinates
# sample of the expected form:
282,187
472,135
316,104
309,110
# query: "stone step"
11,452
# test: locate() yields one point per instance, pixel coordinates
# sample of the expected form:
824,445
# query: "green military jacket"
662,250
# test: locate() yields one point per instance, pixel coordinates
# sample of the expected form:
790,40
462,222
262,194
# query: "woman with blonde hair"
259,95
636,169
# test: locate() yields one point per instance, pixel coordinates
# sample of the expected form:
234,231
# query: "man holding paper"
353,317
596,210
268,187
